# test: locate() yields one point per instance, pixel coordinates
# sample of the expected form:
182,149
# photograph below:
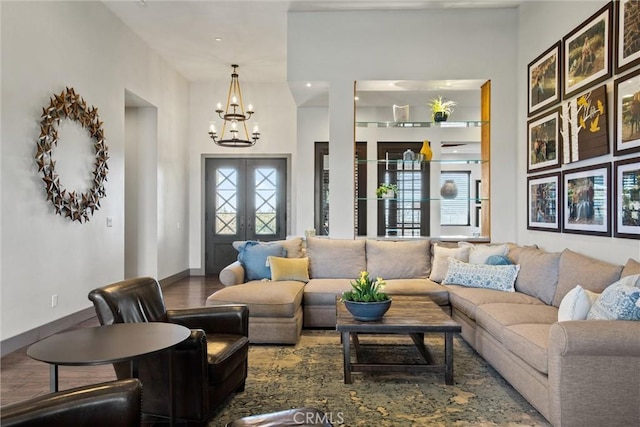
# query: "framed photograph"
587,201
544,142
584,126
544,80
627,198
626,124
543,198
586,53
627,28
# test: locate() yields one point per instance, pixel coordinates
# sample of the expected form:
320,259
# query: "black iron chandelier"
234,116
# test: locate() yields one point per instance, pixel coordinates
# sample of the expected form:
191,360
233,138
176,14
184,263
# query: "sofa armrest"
223,319
233,274
594,372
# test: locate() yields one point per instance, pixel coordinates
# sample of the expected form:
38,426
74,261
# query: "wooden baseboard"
36,334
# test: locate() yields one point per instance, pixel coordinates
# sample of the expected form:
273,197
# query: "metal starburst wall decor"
69,105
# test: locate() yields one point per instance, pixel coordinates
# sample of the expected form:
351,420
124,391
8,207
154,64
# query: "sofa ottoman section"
319,301
275,309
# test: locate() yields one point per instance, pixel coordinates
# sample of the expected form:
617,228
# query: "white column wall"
47,46
412,45
559,19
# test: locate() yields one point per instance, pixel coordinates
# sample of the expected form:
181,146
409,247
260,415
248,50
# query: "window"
455,211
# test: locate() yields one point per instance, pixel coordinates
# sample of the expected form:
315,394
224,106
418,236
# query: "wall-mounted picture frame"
627,198
585,126
586,200
544,141
626,124
543,202
627,29
586,53
544,80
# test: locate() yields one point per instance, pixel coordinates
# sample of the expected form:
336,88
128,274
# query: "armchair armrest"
114,402
594,372
233,274
225,319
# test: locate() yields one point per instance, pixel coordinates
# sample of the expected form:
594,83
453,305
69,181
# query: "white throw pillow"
441,257
480,253
497,277
576,304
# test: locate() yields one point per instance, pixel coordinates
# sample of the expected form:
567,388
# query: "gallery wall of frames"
570,121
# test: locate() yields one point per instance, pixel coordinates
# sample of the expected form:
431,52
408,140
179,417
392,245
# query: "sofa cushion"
264,299
576,304
530,342
398,260
498,277
620,301
590,273
495,317
538,275
631,267
253,257
336,258
289,269
467,300
324,291
478,254
293,246
515,251
441,257
413,287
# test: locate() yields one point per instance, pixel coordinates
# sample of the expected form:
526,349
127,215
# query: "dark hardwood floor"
22,378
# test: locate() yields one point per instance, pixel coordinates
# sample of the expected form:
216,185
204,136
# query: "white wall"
559,19
411,45
47,46
276,116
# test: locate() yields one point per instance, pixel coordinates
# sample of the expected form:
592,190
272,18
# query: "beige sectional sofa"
582,372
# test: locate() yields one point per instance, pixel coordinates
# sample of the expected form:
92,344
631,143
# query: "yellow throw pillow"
289,268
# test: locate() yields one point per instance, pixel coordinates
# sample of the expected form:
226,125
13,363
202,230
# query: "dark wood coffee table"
408,315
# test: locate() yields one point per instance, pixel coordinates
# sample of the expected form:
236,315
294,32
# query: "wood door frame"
203,158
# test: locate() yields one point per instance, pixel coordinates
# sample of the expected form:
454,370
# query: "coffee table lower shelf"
351,338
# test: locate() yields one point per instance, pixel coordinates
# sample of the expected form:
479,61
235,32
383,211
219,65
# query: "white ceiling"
254,35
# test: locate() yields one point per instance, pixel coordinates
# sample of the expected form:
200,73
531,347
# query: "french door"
245,199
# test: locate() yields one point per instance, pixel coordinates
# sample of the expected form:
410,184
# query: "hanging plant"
69,105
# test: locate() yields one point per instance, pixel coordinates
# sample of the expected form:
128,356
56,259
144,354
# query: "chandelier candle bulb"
250,109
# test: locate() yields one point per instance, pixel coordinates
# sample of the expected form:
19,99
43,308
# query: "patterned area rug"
310,374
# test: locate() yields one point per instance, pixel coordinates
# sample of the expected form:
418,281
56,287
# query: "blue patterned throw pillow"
253,257
498,277
619,301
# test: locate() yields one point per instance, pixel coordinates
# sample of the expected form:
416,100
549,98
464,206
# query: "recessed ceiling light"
309,84
218,39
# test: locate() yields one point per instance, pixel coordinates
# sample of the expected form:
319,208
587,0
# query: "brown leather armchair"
208,366
114,403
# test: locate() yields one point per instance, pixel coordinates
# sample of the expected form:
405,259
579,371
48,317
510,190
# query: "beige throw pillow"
441,256
480,253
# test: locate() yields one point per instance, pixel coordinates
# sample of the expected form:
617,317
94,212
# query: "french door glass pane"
265,200
226,209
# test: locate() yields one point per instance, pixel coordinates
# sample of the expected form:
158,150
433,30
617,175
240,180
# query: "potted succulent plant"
366,301
386,191
440,109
